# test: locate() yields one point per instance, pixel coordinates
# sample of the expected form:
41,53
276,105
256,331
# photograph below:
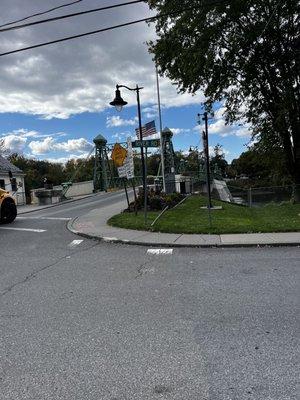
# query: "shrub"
155,201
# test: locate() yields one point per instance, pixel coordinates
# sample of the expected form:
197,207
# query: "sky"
54,100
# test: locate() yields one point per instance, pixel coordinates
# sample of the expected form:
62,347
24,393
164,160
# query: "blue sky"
54,100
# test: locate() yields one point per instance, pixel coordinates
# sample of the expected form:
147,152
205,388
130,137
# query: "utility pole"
142,153
206,150
161,136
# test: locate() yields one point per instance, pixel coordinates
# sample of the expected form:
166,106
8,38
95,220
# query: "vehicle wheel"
8,212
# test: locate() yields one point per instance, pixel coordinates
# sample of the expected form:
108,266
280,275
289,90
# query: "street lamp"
119,103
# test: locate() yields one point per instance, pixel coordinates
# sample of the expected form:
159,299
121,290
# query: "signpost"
123,160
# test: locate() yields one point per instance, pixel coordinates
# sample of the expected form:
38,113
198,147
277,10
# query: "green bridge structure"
106,174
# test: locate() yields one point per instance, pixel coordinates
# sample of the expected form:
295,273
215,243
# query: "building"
12,180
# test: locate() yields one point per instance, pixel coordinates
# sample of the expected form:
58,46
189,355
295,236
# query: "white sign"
127,169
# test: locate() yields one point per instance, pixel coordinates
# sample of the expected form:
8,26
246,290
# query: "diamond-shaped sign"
118,155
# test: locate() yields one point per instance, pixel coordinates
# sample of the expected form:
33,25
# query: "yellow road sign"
118,155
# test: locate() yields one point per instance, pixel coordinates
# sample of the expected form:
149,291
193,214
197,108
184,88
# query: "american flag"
147,130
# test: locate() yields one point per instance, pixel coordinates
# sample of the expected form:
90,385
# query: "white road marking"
22,229
109,239
160,251
50,218
75,243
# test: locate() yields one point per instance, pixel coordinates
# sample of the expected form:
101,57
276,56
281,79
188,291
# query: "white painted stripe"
109,239
160,251
57,218
22,229
50,218
75,243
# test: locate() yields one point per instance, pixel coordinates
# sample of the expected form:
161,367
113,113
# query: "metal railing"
259,196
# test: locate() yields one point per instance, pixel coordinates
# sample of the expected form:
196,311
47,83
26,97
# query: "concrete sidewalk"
28,208
93,225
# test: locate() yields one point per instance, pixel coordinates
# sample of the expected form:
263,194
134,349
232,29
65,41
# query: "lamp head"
118,102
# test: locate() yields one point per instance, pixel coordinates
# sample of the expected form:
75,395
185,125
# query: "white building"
12,180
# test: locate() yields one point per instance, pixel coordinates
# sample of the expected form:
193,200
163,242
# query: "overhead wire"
41,13
67,38
43,21
78,36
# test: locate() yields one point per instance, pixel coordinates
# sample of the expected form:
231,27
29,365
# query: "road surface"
87,320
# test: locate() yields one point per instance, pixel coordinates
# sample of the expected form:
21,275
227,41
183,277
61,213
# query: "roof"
5,165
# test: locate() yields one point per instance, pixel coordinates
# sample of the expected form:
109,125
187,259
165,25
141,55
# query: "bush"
156,201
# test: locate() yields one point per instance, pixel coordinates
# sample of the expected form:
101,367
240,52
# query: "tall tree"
262,167
242,53
218,159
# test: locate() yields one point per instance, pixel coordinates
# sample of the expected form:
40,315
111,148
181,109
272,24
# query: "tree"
263,168
153,162
218,159
79,170
36,170
242,53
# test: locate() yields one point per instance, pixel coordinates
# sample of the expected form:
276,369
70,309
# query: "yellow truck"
8,208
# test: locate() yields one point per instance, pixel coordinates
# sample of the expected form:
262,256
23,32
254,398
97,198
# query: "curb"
56,204
151,244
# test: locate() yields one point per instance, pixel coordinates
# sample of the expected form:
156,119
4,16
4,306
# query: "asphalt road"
96,321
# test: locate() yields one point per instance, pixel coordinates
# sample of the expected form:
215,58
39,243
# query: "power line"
70,15
78,36
41,13
149,19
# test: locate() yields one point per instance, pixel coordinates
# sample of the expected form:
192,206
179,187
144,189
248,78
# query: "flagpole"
161,129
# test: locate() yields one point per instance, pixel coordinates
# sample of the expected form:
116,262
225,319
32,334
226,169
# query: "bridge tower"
169,160
101,165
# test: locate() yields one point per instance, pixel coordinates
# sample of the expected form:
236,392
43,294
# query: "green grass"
190,218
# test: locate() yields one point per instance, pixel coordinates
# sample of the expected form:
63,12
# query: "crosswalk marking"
75,243
160,251
22,229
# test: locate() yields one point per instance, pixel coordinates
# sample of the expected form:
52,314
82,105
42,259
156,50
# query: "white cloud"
177,131
14,143
64,160
81,145
80,75
42,146
49,144
150,112
116,121
121,136
217,126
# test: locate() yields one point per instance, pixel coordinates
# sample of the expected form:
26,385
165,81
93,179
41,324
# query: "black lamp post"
119,103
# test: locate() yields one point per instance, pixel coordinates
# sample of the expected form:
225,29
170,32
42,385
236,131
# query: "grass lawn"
190,218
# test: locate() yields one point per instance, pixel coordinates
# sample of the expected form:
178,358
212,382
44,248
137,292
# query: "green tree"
263,168
242,53
79,170
36,170
218,159
153,162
